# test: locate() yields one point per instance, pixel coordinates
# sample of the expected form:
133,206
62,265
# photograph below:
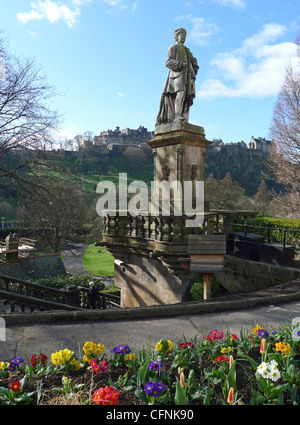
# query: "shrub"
76,280
197,288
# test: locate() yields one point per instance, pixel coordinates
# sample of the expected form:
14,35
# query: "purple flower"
12,367
17,360
262,333
154,388
156,366
121,349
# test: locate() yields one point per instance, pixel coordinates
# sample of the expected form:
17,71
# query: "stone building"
260,144
123,137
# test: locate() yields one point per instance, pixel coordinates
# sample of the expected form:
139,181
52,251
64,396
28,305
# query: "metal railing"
32,296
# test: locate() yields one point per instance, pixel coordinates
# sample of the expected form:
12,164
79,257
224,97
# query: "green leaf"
252,361
57,390
262,383
165,398
141,395
180,395
257,398
232,376
4,391
23,399
78,387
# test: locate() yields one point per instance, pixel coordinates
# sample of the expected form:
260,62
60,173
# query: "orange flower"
262,346
230,361
230,398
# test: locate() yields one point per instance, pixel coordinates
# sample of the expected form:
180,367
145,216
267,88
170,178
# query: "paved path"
137,333
73,258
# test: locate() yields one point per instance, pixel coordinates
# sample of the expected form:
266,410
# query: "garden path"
25,340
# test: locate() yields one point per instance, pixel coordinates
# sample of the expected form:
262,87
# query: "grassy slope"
98,261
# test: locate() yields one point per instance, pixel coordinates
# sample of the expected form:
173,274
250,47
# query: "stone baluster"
166,229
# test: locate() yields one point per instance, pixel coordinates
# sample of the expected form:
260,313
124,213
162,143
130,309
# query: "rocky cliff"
246,166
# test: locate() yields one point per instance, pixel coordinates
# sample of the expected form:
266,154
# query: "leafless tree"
54,210
26,116
285,132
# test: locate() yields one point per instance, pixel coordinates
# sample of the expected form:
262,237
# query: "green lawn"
98,261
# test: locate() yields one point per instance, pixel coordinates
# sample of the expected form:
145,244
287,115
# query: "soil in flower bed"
94,381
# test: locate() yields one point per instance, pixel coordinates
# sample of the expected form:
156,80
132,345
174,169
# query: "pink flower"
102,367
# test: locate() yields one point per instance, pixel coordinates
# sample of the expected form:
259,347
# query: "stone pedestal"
147,248
179,150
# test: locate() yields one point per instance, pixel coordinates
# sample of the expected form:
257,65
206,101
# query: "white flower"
262,368
269,370
274,375
273,364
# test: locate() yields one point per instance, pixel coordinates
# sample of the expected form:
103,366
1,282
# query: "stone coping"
189,308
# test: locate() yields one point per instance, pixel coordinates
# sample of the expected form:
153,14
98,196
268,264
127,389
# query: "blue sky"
107,58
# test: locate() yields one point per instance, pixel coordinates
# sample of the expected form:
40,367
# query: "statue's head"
180,35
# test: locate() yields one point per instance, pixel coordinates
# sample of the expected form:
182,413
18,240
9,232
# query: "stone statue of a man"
179,91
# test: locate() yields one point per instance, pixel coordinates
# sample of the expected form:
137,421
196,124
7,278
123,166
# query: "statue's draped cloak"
178,78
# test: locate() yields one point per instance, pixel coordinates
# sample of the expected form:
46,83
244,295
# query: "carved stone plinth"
148,247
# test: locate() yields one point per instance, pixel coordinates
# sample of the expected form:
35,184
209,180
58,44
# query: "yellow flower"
75,363
283,347
61,357
86,359
225,350
2,365
170,344
89,347
130,356
158,346
99,349
255,330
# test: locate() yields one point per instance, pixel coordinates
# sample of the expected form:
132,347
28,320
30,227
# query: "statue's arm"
194,64
172,62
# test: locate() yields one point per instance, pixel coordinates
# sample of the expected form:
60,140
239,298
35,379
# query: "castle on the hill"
114,142
123,137
258,144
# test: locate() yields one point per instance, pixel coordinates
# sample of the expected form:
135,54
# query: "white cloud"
116,3
256,69
120,94
52,11
202,31
236,4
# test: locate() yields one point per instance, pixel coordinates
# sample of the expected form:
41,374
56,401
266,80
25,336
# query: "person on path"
93,295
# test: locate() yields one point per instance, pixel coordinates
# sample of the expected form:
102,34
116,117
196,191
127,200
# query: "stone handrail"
158,228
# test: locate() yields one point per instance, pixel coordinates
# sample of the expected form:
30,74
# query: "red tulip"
262,346
230,398
182,379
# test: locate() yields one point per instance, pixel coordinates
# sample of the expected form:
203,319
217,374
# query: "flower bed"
257,367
